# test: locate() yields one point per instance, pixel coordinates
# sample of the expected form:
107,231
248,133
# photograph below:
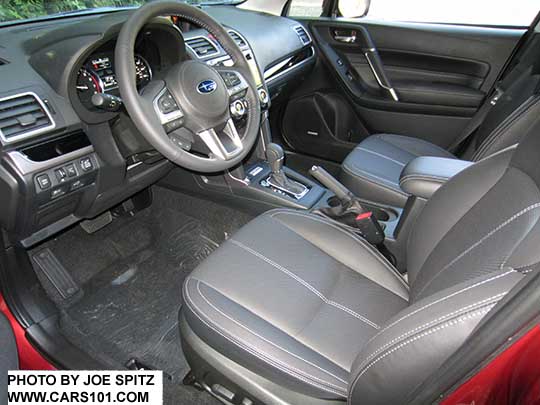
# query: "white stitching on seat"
381,155
420,336
430,304
479,242
194,308
267,340
352,236
433,321
305,284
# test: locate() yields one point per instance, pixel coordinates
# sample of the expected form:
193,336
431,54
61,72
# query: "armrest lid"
424,175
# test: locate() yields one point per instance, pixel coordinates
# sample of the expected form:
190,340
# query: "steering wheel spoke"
224,143
235,81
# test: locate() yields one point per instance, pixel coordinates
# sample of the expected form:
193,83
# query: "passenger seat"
372,169
8,356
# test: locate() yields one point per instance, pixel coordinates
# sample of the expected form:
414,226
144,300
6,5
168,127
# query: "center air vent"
302,34
22,116
202,46
238,39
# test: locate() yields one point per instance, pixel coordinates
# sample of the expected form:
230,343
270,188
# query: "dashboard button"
58,193
44,181
60,174
71,171
86,164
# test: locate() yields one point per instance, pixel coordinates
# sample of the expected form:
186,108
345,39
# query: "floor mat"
131,274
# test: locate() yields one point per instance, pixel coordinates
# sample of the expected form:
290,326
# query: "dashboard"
62,158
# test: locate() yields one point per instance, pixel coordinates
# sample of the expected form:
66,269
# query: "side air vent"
22,116
202,46
302,34
238,39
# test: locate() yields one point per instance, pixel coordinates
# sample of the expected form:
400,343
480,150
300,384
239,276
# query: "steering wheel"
190,106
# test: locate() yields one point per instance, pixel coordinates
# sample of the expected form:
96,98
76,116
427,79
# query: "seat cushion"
8,356
372,169
293,297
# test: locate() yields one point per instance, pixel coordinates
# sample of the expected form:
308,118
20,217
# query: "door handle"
348,39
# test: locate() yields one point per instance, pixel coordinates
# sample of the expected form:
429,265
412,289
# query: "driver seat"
293,309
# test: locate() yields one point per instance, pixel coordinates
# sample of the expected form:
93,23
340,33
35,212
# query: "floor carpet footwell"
131,273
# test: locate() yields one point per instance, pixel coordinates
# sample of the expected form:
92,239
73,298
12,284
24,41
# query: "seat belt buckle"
370,228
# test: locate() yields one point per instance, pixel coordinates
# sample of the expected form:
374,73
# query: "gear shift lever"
278,179
275,157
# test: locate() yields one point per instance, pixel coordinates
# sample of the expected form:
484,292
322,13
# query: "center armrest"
424,175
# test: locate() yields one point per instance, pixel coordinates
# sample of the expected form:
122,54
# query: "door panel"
421,80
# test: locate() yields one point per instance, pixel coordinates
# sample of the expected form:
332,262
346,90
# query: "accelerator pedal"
93,225
56,273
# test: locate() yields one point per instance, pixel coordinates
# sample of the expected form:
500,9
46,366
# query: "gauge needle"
82,87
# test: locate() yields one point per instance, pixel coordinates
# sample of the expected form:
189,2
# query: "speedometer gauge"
143,71
87,85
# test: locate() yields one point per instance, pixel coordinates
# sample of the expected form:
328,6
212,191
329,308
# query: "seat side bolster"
345,247
420,338
228,326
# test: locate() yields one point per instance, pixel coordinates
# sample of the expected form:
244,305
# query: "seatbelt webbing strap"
477,120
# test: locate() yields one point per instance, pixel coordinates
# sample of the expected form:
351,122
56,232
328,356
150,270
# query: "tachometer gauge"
143,71
88,84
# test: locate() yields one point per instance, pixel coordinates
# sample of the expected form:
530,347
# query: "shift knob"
275,157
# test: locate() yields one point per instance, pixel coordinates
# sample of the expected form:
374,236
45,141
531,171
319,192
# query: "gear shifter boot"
278,179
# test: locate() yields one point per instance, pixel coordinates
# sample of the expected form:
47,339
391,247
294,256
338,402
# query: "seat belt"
478,119
485,109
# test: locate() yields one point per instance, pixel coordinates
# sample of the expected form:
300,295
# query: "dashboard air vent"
22,116
202,46
238,39
302,34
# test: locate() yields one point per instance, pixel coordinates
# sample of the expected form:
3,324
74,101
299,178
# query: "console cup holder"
383,214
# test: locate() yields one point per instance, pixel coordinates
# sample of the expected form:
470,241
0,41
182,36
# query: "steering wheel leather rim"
138,107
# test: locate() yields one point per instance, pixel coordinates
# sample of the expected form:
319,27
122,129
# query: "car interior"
270,209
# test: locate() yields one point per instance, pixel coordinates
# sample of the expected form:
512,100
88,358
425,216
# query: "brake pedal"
93,225
56,273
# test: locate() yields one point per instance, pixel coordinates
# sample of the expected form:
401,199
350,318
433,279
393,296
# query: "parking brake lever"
345,196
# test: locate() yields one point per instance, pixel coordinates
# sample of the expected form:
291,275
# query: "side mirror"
353,8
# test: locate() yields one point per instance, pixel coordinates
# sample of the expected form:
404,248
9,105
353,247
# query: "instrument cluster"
97,75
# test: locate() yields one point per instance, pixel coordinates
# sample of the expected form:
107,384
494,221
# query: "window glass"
477,12
306,8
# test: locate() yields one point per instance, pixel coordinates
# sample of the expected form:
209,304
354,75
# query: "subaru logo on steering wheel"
207,87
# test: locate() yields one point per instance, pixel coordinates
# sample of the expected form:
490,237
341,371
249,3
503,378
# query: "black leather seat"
8,356
372,169
295,309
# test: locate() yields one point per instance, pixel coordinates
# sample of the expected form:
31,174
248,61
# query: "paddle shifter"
350,211
278,180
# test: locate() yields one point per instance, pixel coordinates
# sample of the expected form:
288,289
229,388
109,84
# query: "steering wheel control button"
173,125
70,170
86,164
167,104
43,181
60,174
180,142
238,109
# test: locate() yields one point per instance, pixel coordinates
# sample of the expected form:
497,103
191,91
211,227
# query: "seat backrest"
475,239
510,118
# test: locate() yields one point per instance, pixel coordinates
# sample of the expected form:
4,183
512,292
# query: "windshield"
19,10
